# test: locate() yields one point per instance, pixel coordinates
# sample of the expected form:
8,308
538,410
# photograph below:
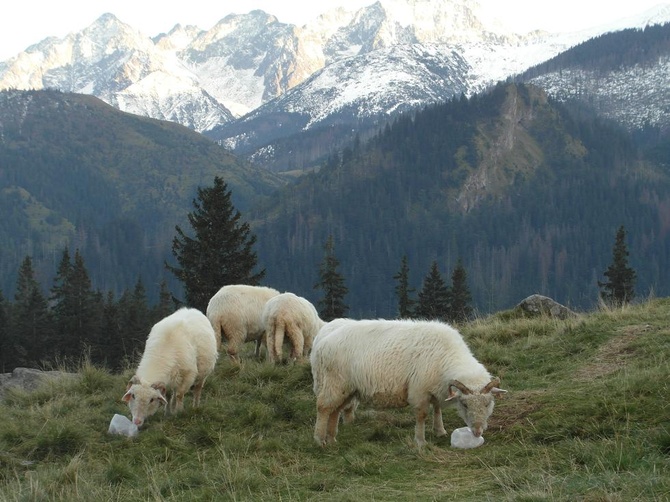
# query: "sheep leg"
323,414
279,341
438,423
327,416
349,411
297,344
197,390
420,428
269,345
178,399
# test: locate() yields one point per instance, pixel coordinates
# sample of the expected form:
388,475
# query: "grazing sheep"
235,313
294,317
399,363
180,353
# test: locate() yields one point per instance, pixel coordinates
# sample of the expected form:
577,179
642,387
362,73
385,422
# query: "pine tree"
433,297
134,320
76,307
30,321
221,252
460,298
165,305
332,305
619,289
110,343
403,291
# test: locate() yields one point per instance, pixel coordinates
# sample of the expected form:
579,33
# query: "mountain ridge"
196,77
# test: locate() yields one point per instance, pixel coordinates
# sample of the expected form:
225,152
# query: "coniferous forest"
524,193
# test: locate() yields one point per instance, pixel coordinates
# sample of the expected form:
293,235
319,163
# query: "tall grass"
587,418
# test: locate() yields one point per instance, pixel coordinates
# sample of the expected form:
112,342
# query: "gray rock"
28,379
537,305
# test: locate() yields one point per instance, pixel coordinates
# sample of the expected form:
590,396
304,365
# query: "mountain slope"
77,170
526,195
622,76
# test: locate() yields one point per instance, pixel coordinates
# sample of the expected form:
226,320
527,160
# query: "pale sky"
24,22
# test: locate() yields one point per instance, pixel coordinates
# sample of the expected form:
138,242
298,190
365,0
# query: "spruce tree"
77,309
30,321
434,297
403,291
110,343
332,305
134,320
619,289
220,253
460,298
165,305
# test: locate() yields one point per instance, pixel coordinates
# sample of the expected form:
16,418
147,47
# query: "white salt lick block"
121,425
464,438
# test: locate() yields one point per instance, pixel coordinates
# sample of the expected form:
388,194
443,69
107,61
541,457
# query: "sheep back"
292,316
235,313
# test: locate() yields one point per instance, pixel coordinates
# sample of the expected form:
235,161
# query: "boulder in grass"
27,379
538,305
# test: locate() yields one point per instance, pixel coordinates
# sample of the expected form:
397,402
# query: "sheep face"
144,400
475,410
474,407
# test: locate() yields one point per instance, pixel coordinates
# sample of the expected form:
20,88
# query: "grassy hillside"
586,418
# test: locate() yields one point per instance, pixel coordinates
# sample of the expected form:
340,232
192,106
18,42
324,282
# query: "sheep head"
474,407
143,399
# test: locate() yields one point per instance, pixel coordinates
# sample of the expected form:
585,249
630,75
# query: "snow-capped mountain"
621,75
390,56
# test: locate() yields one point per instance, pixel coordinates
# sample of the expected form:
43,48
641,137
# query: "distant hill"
622,76
528,195
74,170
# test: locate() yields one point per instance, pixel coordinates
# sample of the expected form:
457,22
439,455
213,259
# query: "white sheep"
399,363
292,316
180,353
235,313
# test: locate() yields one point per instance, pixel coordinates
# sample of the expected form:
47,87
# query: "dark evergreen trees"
403,290
134,320
109,350
30,320
332,305
76,308
434,297
165,305
220,253
460,299
619,289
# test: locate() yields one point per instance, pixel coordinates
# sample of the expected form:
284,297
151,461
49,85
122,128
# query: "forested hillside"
526,194
77,172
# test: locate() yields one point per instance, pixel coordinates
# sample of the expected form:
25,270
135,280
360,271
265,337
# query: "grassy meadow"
587,418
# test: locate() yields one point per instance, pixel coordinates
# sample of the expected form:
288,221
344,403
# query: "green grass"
587,418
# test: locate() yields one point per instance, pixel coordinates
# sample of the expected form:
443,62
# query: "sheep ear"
127,397
132,382
498,392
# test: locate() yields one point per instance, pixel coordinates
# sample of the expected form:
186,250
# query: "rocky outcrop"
28,379
537,305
